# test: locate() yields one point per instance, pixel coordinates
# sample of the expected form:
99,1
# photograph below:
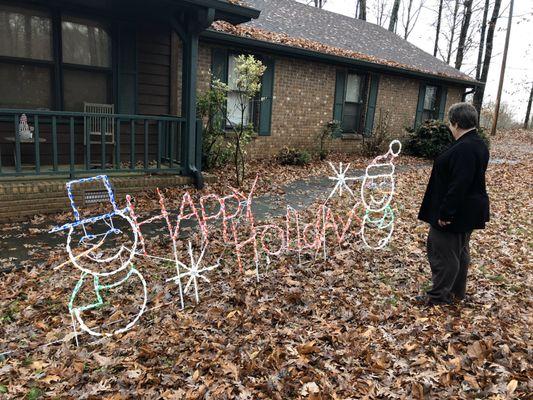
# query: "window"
87,63
239,110
353,103
86,43
28,63
26,67
431,103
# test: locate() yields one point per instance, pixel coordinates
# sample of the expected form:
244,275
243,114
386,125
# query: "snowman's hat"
78,221
382,166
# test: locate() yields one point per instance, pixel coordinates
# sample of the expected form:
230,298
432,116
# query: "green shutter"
267,93
219,64
442,105
371,107
340,88
420,106
127,70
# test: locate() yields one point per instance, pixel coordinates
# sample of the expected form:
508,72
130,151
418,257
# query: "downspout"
189,29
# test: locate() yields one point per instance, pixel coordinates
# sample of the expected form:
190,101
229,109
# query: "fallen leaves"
345,328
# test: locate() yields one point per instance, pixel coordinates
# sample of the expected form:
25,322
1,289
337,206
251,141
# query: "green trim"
371,105
267,95
420,104
338,106
221,37
442,105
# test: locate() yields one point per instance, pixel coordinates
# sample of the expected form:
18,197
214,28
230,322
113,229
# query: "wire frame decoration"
369,216
96,264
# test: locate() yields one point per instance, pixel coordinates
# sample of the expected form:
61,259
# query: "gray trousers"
449,257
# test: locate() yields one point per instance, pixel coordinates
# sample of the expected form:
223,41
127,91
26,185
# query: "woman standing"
455,203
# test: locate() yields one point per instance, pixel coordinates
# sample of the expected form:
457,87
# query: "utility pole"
502,73
528,111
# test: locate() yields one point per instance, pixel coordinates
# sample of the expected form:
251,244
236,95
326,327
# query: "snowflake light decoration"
194,271
341,180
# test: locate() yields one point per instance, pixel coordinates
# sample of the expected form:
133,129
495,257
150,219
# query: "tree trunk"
437,34
502,72
394,16
408,22
528,111
480,92
465,25
452,33
482,38
319,3
362,10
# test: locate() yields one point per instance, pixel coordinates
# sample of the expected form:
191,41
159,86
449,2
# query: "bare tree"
528,111
360,10
318,3
480,92
394,16
482,38
410,16
465,25
437,33
452,31
380,12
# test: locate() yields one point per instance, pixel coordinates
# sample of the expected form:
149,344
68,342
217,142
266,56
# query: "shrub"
290,156
431,138
325,136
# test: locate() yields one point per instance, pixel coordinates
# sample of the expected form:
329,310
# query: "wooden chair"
96,126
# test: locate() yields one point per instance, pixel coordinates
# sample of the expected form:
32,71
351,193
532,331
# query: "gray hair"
464,115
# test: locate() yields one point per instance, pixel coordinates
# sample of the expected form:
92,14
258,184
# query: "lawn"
340,328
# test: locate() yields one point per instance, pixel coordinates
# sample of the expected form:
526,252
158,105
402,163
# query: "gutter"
230,8
227,38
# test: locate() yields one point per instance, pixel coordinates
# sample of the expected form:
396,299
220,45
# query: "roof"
294,24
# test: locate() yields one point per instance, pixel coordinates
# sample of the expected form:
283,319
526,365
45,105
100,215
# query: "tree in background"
482,38
410,14
318,3
360,9
506,118
528,111
437,33
394,16
465,26
480,92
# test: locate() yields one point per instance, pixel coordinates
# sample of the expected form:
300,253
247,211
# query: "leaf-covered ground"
342,328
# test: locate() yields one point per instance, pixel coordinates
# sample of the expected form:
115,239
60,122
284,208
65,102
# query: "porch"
92,87
65,144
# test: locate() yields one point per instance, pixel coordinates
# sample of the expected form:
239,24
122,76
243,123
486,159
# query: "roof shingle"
295,24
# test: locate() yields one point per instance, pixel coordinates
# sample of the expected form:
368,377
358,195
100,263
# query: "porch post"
188,28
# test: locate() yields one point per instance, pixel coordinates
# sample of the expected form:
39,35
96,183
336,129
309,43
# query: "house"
110,86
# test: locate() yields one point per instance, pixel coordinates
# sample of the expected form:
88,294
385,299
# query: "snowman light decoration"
377,191
102,254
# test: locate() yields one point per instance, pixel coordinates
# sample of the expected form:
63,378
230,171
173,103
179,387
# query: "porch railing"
62,144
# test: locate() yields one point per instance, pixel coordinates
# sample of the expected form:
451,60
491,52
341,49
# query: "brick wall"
22,199
303,103
397,99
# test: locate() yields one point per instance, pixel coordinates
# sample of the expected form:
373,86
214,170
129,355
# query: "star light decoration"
193,271
341,180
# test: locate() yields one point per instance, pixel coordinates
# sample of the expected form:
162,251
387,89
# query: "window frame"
434,113
108,71
364,88
56,64
255,103
35,61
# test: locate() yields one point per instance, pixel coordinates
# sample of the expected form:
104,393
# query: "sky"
519,70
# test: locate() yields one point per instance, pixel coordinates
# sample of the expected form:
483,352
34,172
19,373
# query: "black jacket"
456,191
